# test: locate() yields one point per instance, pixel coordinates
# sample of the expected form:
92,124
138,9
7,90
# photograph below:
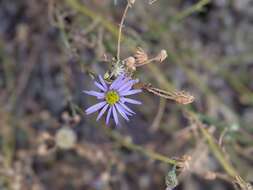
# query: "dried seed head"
140,56
180,97
130,63
162,56
65,138
183,98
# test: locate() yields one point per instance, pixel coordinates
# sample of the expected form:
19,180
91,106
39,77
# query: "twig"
222,136
159,115
86,11
120,30
131,146
162,81
216,150
23,80
214,147
193,9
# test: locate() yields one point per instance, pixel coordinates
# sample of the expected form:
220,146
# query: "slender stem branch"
146,62
193,9
214,147
131,146
120,30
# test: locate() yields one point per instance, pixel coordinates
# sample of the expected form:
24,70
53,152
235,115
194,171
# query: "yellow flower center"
112,97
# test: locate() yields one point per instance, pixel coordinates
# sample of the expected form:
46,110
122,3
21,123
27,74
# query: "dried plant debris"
180,97
120,80
169,54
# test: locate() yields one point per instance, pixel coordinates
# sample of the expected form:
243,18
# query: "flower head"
112,97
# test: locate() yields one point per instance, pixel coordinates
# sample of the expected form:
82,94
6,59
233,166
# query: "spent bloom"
113,98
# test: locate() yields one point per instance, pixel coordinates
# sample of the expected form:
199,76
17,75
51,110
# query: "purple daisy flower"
112,97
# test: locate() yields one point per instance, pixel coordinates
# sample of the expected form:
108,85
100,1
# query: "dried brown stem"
120,29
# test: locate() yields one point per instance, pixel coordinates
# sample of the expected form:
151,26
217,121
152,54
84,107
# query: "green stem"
131,146
86,11
193,9
110,27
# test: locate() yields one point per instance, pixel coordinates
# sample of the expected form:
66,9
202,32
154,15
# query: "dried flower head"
113,98
140,56
130,63
65,138
183,98
180,97
117,69
161,56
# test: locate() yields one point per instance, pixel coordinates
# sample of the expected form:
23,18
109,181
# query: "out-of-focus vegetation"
48,52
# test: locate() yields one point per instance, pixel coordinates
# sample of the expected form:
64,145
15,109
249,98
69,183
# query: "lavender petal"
95,107
99,95
115,116
102,82
101,113
108,115
100,86
121,111
128,110
121,82
116,81
131,92
127,86
129,100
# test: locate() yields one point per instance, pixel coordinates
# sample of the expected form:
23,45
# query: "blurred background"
47,50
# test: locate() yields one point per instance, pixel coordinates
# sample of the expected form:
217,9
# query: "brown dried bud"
161,56
140,56
130,63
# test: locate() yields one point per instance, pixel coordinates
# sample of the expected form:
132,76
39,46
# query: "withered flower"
130,63
161,56
140,56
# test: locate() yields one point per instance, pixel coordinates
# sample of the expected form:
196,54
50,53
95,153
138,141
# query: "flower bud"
162,55
130,63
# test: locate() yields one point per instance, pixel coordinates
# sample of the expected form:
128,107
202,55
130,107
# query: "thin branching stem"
120,30
133,147
147,62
